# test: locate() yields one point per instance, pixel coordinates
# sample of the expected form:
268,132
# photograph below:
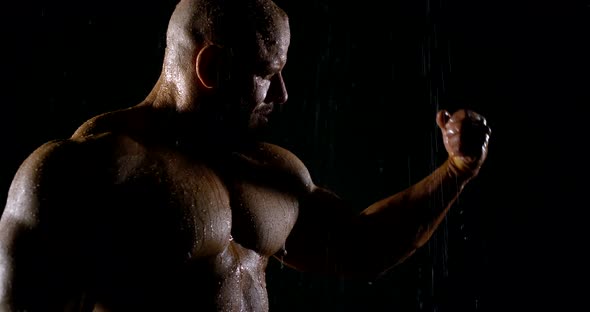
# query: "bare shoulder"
37,177
110,122
58,179
51,156
95,125
281,156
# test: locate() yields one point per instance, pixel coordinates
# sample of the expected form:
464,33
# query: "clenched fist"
465,136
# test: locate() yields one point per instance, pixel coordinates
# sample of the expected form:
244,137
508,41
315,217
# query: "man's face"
257,82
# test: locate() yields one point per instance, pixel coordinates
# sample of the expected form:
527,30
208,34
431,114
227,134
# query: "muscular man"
174,205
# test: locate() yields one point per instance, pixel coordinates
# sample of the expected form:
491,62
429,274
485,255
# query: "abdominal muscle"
232,281
242,284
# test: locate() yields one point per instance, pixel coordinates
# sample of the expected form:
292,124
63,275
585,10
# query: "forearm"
390,230
418,210
328,240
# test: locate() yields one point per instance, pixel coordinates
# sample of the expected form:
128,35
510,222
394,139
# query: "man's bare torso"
170,230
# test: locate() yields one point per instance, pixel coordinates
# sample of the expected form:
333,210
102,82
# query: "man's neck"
200,126
192,132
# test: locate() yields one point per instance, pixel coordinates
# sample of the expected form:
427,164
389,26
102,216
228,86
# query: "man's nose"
277,93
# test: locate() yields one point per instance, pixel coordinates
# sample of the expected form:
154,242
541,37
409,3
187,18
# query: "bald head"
232,24
238,29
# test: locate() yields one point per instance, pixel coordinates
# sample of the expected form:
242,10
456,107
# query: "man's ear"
209,65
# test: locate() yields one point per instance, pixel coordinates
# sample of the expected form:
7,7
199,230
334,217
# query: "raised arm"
37,257
328,238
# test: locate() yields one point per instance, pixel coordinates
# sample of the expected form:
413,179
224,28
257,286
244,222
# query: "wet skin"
157,208
149,222
144,209
118,221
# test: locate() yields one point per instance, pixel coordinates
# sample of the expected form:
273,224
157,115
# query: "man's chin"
258,123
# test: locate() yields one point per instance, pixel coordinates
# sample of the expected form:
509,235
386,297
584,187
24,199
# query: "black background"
365,81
